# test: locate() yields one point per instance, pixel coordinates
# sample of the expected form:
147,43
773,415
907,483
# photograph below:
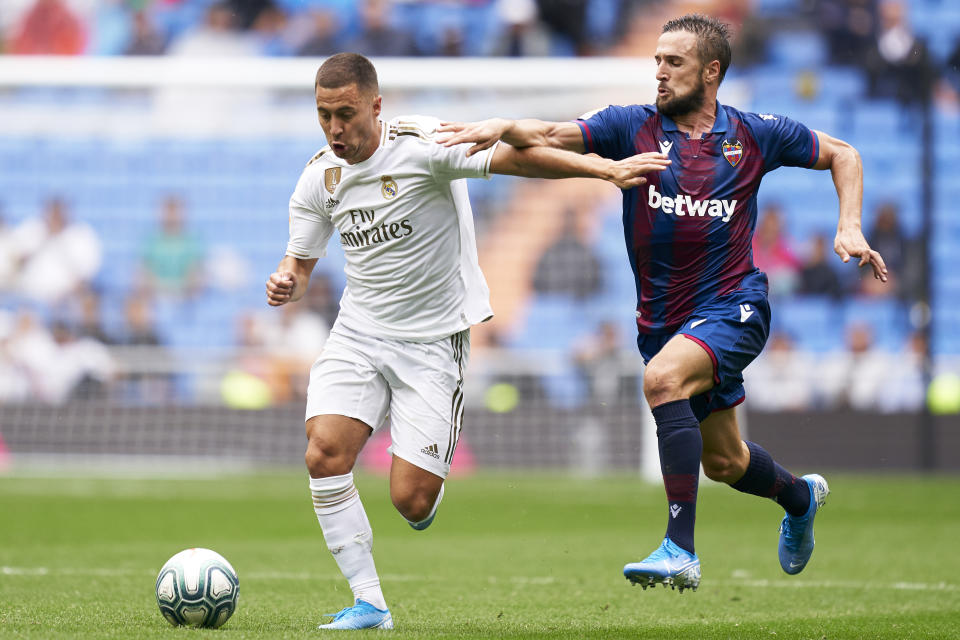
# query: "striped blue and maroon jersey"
689,228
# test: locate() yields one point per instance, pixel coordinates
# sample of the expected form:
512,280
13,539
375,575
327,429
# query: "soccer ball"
197,588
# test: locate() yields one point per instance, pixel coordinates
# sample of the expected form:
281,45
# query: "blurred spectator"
323,35
145,38
952,67
139,329
781,378
568,19
270,31
14,379
322,298
523,34
600,359
57,365
377,36
217,36
817,277
172,257
904,388
49,27
254,380
87,318
59,256
899,63
451,41
568,265
9,254
887,236
247,12
83,368
858,377
111,27
849,26
772,253
149,382
274,357
294,345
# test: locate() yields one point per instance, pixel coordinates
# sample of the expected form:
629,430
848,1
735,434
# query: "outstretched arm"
289,282
844,164
516,133
544,162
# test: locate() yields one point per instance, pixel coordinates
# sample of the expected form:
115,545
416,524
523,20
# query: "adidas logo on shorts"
432,450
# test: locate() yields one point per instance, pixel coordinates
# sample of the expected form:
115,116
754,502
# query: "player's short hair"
713,38
342,69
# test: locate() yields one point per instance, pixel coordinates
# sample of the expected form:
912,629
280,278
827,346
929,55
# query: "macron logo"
684,205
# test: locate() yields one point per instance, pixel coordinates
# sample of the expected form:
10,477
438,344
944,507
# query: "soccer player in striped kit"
702,313
401,340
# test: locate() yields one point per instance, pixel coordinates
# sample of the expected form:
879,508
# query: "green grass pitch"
510,556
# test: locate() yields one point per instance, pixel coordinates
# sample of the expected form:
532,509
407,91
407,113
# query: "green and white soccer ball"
197,588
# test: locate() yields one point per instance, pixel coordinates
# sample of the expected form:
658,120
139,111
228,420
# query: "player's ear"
711,72
377,105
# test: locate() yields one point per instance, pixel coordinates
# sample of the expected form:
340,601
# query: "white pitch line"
534,581
838,584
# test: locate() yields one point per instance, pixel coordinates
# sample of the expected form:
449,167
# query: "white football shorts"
418,384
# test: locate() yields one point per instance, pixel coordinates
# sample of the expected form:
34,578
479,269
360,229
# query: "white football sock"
347,532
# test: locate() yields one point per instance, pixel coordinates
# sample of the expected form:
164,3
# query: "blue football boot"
796,532
668,565
362,615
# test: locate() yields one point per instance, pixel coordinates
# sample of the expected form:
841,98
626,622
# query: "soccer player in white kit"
400,343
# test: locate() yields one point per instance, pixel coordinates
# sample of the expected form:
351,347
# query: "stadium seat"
886,317
813,323
797,49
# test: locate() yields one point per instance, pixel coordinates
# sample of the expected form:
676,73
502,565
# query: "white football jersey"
406,228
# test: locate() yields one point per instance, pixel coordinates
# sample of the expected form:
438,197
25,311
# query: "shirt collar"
720,124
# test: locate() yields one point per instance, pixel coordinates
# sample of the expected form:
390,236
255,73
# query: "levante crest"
732,151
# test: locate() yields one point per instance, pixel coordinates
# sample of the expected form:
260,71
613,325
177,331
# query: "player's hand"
850,242
483,133
280,287
629,172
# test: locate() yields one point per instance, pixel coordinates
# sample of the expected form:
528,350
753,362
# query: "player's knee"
662,383
414,505
325,458
721,467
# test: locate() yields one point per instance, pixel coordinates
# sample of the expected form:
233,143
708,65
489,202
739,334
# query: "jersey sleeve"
310,224
452,163
785,142
605,132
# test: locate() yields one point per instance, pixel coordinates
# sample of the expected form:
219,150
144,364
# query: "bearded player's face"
349,118
680,85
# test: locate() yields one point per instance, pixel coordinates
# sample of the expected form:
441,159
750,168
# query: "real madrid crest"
388,187
331,178
732,151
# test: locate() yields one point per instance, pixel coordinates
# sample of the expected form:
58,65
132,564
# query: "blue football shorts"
732,329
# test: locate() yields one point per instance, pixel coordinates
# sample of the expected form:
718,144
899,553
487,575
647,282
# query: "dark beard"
682,105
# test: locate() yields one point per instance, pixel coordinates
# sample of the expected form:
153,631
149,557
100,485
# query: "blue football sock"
766,478
680,444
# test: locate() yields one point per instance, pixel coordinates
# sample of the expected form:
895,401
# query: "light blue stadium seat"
797,49
842,83
886,317
776,7
813,323
946,338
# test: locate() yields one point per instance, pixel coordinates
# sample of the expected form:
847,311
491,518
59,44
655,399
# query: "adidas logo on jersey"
432,451
684,205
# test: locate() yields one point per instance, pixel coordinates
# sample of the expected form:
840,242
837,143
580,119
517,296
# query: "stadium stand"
235,188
